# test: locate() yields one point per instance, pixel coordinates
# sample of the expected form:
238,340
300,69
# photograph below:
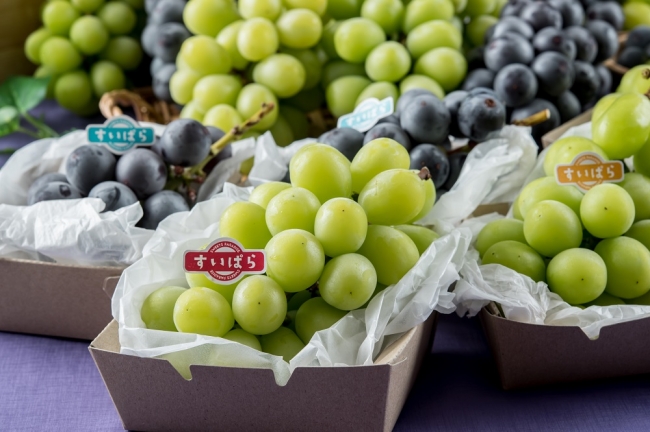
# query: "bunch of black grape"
162,39
637,48
548,55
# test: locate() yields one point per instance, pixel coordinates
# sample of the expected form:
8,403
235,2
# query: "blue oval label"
121,134
367,114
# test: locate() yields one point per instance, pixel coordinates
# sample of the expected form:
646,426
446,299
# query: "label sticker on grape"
587,170
367,114
225,260
120,134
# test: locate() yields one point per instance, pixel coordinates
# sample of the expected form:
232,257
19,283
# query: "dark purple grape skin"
43,181
160,205
638,37
88,166
430,156
606,38
167,11
185,142
568,106
478,78
554,71
512,24
456,162
534,107
426,120
388,130
143,171
149,39
452,102
516,85
346,140
540,15
605,81
631,56
156,65
552,39
161,82
508,49
389,119
586,83
215,133
55,191
514,7
586,45
170,37
608,11
480,115
114,194
408,96
475,57
572,12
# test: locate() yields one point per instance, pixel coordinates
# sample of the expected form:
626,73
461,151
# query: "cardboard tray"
532,355
55,300
149,394
552,136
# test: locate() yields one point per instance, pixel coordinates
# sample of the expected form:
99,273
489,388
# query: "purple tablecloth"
52,384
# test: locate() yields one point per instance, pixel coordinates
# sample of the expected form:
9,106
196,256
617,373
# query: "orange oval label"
588,169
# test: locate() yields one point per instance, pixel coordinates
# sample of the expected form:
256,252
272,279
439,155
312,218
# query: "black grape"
215,133
554,72
631,56
572,12
426,120
408,96
568,106
516,85
55,191
514,7
430,156
388,130
605,80
475,57
160,205
452,102
540,15
608,11
156,64
114,194
167,11
149,38
586,83
478,78
552,39
346,140
41,182
389,119
456,162
512,24
586,45
638,37
508,49
170,38
606,38
185,142
480,115
161,82
143,171
88,166
534,107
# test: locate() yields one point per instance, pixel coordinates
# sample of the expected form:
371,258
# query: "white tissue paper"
522,299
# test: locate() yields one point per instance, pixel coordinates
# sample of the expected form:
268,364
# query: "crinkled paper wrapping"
524,300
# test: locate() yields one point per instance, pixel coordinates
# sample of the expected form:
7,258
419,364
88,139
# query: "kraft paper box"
55,300
552,136
150,395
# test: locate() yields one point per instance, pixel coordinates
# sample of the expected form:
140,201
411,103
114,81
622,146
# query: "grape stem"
535,119
645,73
425,174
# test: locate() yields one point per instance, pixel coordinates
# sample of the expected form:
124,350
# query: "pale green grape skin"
518,257
423,82
638,186
643,300
222,116
421,11
421,236
283,342
340,68
378,155
259,305
642,160
628,266
213,90
297,300
633,81
429,200
34,42
191,111
356,37
204,56
393,197
44,72
269,9
157,311
227,38
546,188
476,8
293,208
497,231
314,163
299,28
477,28
257,39
340,226
106,76
87,6
458,23
577,275
444,65
564,150
209,17
124,51
282,132
89,35
181,85
118,18
263,193
605,300
603,104
327,39
551,227
388,61
245,222
387,13
201,280
317,6
58,17
343,93
433,34
390,251
607,210
295,259
379,90
640,231
516,210
343,9
379,288
203,311
73,90
315,315
311,64
250,101
307,100
244,338
59,55
283,74
348,281
297,121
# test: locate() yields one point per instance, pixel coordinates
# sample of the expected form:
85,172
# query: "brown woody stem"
535,119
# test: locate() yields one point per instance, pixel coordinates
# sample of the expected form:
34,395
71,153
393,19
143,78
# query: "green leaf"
9,120
7,151
22,92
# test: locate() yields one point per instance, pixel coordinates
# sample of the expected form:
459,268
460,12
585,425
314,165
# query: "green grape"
118,18
393,197
307,100
257,39
546,188
244,338
89,35
299,28
356,37
203,311
390,251
433,34
250,101
343,93
551,227
421,81
605,300
281,131
340,226
348,281
607,210
632,81
221,116
195,280
106,76
388,61
421,236
564,150
283,342
213,90
209,17
191,111
638,186
429,200
124,51
297,300
640,231
379,155
636,14
421,11
73,90
157,311
516,256
459,6
34,42
227,38
496,12
263,193
628,266
603,104
181,85
283,74
476,8
624,127
310,61
516,210
135,4
577,275
344,9
291,250
444,65
204,56
315,315
245,222
58,17
339,68
59,55
269,9
87,6
246,166
387,13
44,72
327,39
478,26
317,6
497,231
259,305
642,160
379,288
293,208
641,300
379,90
323,170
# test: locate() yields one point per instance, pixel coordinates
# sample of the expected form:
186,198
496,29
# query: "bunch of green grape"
327,253
85,46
